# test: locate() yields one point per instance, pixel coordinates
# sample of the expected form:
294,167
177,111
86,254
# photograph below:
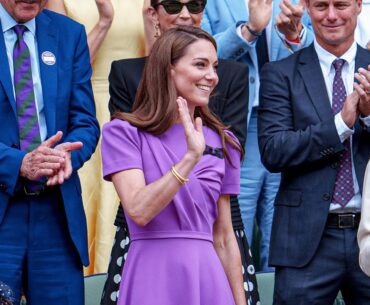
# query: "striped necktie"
28,126
343,189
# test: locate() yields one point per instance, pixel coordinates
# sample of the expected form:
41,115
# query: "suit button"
15,146
252,79
2,187
334,165
326,196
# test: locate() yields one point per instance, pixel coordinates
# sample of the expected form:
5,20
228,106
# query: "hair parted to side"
155,109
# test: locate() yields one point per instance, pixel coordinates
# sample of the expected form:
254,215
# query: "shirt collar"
326,59
7,22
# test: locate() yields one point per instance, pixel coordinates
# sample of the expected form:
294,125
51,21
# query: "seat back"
265,282
94,285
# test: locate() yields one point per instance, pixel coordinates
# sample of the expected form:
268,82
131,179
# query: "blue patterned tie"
343,189
28,126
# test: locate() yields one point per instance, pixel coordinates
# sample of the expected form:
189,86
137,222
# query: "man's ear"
359,4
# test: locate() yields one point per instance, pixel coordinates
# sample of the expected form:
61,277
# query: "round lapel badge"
48,58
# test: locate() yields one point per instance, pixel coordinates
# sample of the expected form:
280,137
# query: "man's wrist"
365,120
252,31
298,35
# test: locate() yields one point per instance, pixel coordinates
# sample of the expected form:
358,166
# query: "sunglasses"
174,7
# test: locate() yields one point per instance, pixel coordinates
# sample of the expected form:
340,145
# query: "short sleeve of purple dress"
172,261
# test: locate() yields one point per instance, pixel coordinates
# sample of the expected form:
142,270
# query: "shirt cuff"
239,33
365,120
344,132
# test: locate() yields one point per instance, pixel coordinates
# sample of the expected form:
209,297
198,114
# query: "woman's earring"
156,33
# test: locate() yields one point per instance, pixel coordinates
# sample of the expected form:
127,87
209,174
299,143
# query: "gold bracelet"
177,175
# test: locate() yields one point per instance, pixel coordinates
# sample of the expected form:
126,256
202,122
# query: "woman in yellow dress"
115,30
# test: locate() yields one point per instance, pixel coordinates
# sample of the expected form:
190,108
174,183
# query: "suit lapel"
47,41
5,76
310,70
237,9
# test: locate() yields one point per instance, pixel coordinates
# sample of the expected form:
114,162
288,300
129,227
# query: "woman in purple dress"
174,166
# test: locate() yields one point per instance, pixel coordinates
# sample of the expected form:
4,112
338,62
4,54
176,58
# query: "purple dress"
172,260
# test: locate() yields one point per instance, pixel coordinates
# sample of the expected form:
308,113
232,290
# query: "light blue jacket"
222,17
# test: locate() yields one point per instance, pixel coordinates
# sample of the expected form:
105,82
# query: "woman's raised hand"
193,131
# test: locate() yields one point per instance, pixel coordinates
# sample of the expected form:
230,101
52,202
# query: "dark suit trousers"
334,267
37,253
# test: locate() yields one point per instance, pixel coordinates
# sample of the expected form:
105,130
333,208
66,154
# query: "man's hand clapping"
363,90
54,163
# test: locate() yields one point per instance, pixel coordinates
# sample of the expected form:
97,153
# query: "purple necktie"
28,126
343,189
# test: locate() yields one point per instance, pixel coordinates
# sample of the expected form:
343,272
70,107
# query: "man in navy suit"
314,128
49,130
250,31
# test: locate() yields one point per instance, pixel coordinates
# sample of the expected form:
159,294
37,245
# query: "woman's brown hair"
155,108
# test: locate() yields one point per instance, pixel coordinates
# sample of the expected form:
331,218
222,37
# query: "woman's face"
194,74
184,17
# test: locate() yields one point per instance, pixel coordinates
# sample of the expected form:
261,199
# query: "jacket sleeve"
283,144
235,110
229,44
10,164
82,123
119,94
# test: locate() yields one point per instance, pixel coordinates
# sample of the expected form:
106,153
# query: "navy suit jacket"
69,107
298,137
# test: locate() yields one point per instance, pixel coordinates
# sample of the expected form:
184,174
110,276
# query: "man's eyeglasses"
174,7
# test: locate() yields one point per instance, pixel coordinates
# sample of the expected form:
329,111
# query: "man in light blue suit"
245,32
49,130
